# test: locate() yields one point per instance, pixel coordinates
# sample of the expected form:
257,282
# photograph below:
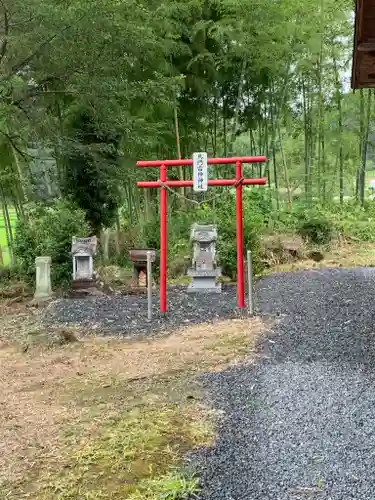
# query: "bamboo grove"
87,87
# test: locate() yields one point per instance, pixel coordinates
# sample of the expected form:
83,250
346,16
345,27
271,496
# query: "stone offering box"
138,256
204,270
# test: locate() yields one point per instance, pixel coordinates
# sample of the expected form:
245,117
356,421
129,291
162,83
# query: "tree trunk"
178,144
117,234
307,143
225,128
340,124
320,169
365,127
273,147
105,245
8,225
286,174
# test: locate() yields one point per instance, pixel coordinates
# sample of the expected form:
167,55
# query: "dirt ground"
104,418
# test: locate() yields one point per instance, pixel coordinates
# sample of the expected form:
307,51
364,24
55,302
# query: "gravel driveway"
300,424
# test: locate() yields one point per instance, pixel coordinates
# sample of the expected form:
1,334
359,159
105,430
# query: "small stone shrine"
83,252
204,270
138,256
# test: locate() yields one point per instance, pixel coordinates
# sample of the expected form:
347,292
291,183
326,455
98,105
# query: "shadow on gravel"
300,423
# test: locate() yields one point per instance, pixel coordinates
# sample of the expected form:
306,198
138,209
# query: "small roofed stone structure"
138,256
204,270
83,252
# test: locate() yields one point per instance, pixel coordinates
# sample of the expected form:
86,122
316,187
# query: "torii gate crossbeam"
163,183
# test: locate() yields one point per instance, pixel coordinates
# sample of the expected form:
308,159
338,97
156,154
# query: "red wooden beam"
163,241
211,182
239,238
210,161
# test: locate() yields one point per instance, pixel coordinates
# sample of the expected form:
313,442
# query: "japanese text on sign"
200,171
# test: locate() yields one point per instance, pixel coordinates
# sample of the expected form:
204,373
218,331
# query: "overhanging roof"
363,71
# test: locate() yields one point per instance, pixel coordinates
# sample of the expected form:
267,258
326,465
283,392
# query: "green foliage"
92,178
111,80
356,222
256,211
172,486
3,234
48,231
320,224
253,227
317,229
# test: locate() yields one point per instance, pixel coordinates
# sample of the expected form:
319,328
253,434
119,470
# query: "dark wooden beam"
363,69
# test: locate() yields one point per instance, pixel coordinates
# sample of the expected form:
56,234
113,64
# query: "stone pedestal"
43,288
204,281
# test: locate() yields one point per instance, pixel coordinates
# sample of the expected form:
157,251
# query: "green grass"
3,238
131,458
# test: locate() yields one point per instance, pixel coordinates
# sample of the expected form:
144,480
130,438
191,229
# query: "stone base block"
83,284
216,289
85,288
205,284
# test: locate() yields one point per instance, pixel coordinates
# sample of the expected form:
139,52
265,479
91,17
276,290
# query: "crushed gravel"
127,315
300,423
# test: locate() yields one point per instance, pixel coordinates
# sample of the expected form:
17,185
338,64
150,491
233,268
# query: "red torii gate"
163,184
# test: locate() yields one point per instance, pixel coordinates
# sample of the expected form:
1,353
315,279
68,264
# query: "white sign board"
200,172
372,184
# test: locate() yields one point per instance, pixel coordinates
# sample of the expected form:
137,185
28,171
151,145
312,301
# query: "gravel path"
127,315
300,424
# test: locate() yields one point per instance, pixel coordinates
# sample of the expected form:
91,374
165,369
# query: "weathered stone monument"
43,288
83,252
204,270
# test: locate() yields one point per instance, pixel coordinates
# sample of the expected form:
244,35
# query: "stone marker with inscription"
43,288
204,270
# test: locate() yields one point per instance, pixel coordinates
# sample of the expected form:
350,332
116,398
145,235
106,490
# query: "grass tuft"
172,486
133,457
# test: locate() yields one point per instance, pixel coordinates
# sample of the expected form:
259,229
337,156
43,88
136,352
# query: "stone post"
43,289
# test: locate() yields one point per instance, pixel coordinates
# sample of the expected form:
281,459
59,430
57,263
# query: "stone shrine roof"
84,245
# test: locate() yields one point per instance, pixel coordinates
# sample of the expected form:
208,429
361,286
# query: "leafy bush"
357,222
48,230
258,202
358,229
92,177
253,226
318,230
